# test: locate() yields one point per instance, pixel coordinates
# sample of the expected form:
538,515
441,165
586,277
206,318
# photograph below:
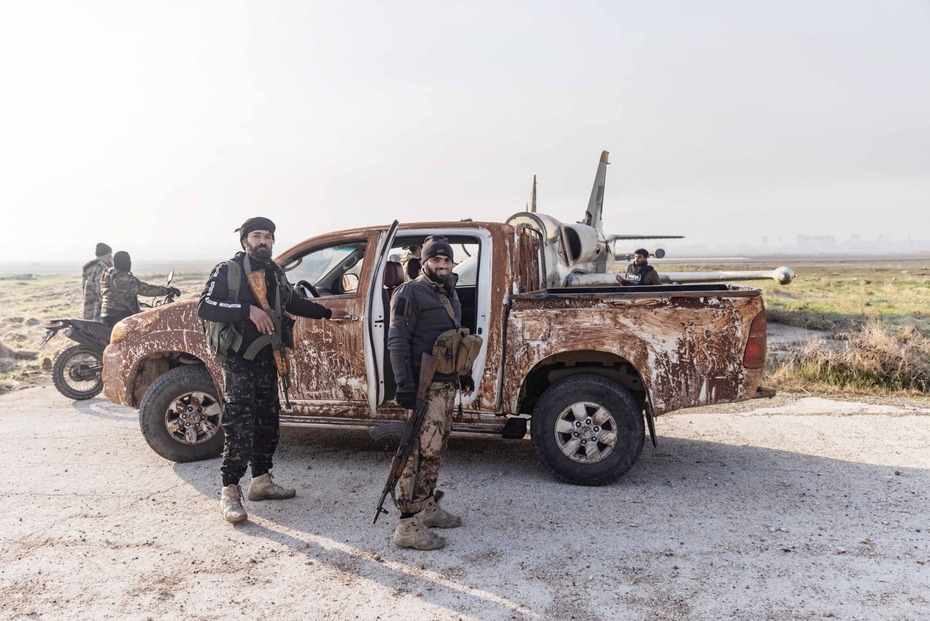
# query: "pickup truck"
587,367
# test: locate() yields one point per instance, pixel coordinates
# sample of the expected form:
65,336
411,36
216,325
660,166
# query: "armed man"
90,281
120,290
639,272
242,309
422,310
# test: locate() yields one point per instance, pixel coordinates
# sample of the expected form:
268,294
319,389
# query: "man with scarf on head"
251,409
418,316
120,290
91,274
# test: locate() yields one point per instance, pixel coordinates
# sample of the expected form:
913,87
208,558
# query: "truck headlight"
123,328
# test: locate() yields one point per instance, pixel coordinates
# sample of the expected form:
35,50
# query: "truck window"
466,257
333,270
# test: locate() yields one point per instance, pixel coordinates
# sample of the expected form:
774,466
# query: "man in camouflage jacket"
90,281
121,290
418,317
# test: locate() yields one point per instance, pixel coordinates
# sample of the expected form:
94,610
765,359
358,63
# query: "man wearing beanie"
251,411
90,281
418,316
120,290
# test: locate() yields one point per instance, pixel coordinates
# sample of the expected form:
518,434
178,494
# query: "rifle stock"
428,366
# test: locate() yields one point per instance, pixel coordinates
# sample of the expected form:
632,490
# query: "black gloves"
174,291
467,383
406,399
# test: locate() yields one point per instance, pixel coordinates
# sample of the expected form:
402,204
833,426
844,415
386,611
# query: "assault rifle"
260,290
411,429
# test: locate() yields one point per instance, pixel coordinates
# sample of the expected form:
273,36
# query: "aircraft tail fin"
592,217
531,206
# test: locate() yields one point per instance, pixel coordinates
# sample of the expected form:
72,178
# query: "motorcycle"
77,370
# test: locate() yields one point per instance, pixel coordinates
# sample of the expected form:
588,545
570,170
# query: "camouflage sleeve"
91,306
92,294
145,289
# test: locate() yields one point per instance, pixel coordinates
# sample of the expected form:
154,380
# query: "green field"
875,323
874,318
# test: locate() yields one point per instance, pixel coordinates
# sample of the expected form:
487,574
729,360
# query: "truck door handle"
349,318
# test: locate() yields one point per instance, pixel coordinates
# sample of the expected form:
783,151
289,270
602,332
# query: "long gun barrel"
781,275
260,290
428,365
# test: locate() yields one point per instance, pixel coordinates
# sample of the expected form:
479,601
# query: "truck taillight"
754,356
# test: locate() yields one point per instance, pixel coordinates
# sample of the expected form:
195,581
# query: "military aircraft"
582,254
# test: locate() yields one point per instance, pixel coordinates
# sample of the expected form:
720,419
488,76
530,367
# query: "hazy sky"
158,127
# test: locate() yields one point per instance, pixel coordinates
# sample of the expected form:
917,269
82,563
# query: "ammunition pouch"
457,350
221,339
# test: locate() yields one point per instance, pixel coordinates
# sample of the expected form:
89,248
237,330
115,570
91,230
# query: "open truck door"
377,307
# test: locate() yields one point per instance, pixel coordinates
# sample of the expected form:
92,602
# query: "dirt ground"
792,508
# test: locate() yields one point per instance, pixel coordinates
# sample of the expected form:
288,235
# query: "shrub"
875,359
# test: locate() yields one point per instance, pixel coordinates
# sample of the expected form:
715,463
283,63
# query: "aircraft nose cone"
784,275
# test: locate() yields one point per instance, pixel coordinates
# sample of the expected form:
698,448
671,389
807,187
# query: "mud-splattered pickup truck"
587,366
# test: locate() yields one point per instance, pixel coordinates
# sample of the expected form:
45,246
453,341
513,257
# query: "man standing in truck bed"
245,339
421,310
639,272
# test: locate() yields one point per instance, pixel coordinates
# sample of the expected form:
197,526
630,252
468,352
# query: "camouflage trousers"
418,480
250,417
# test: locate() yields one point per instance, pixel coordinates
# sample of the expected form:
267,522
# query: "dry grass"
26,302
879,358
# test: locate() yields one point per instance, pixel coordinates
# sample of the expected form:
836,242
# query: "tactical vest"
457,348
635,273
223,336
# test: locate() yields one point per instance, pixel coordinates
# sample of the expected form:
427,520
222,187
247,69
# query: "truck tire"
180,415
77,373
587,429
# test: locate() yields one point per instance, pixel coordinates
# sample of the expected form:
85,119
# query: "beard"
442,280
262,253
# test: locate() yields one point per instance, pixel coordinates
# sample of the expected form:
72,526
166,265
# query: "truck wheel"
587,429
77,373
180,415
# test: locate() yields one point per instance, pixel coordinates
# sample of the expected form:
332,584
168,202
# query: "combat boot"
435,516
264,488
410,533
231,504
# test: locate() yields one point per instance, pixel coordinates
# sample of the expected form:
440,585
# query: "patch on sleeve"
400,308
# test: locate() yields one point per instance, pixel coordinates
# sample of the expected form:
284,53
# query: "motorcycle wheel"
77,373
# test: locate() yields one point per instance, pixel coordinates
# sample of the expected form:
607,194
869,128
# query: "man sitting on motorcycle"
121,290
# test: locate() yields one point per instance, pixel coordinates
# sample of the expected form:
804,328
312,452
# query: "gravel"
790,508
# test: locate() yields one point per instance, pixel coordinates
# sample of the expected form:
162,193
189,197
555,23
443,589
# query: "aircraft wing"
611,238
